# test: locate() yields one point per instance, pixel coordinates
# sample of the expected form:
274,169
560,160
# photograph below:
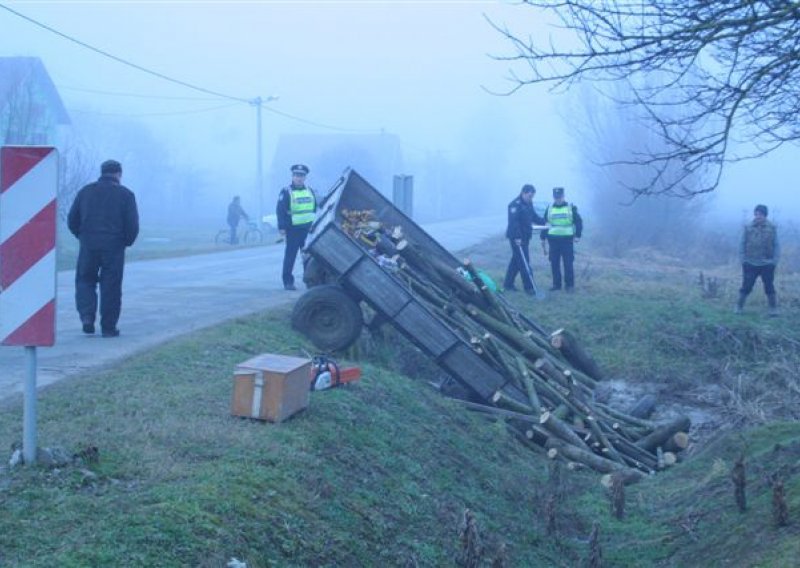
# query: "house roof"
14,70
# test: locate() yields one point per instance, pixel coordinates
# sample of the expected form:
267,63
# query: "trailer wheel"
330,318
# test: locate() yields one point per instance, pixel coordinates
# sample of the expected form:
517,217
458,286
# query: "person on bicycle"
296,208
235,214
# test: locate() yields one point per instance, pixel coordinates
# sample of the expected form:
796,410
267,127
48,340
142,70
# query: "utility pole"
258,102
259,158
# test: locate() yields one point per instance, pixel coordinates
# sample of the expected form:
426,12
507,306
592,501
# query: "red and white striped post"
28,189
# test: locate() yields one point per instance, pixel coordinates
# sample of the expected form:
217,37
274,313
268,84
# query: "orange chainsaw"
326,373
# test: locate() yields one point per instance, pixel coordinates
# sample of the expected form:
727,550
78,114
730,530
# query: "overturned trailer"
364,250
341,273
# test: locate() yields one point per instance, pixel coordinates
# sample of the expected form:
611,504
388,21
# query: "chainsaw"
326,373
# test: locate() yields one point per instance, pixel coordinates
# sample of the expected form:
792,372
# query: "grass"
379,473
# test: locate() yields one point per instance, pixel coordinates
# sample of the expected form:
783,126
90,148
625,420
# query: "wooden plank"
468,368
336,249
433,336
378,287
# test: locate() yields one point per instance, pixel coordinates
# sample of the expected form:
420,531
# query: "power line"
319,124
123,61
173,113
134,95
178,81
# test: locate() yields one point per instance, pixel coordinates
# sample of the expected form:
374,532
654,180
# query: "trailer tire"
328,317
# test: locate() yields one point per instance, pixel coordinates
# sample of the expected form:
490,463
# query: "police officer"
521,217
105,220
295,211
564,229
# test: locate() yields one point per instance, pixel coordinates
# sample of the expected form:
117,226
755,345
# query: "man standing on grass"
759,252
564,229
105,220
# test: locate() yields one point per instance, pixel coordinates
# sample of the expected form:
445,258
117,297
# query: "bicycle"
252,235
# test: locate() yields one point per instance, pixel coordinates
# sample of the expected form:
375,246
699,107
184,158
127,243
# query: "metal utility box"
270,387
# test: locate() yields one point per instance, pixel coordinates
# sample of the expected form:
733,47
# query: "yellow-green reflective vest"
559,217
301,206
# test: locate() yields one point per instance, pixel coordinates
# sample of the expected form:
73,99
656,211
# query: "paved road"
166,298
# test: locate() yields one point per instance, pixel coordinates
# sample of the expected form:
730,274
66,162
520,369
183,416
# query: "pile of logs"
562,413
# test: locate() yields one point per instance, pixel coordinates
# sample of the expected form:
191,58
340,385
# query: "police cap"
558,192
299,169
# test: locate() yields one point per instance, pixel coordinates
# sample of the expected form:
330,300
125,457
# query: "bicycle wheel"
223,237
253,237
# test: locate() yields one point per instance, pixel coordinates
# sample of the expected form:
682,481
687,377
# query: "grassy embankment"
380,473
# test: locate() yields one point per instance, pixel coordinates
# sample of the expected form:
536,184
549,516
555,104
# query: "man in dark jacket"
296,207
521,218
564,229
759,252
105,220
235,214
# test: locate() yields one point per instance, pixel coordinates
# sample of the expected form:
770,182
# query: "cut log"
644,407
488,295
503,400
677,443
573,352
597,463
663,433
530,389
559,429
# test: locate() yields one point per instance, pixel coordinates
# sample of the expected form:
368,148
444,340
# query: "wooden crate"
270,387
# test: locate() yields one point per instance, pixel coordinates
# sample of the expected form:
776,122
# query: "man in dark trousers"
521,218
564,229
105,220
297,205
759,252
235,214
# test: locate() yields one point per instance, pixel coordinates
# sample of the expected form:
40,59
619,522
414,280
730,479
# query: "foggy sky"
413,69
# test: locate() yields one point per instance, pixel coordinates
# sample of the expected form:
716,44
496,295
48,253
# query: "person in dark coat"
105,219
564,229
759,252
295,211
235,214
521,218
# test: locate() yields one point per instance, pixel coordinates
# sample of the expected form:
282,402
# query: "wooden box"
270,387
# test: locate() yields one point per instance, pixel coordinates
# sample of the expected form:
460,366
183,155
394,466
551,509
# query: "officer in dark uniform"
564,229
521,217
297,205
105,220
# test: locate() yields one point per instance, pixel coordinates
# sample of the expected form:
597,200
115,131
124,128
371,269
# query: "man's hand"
577,239
518,242
282,232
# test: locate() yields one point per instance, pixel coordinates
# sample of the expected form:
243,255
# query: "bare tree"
608,133
78,164
731,68
21,118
